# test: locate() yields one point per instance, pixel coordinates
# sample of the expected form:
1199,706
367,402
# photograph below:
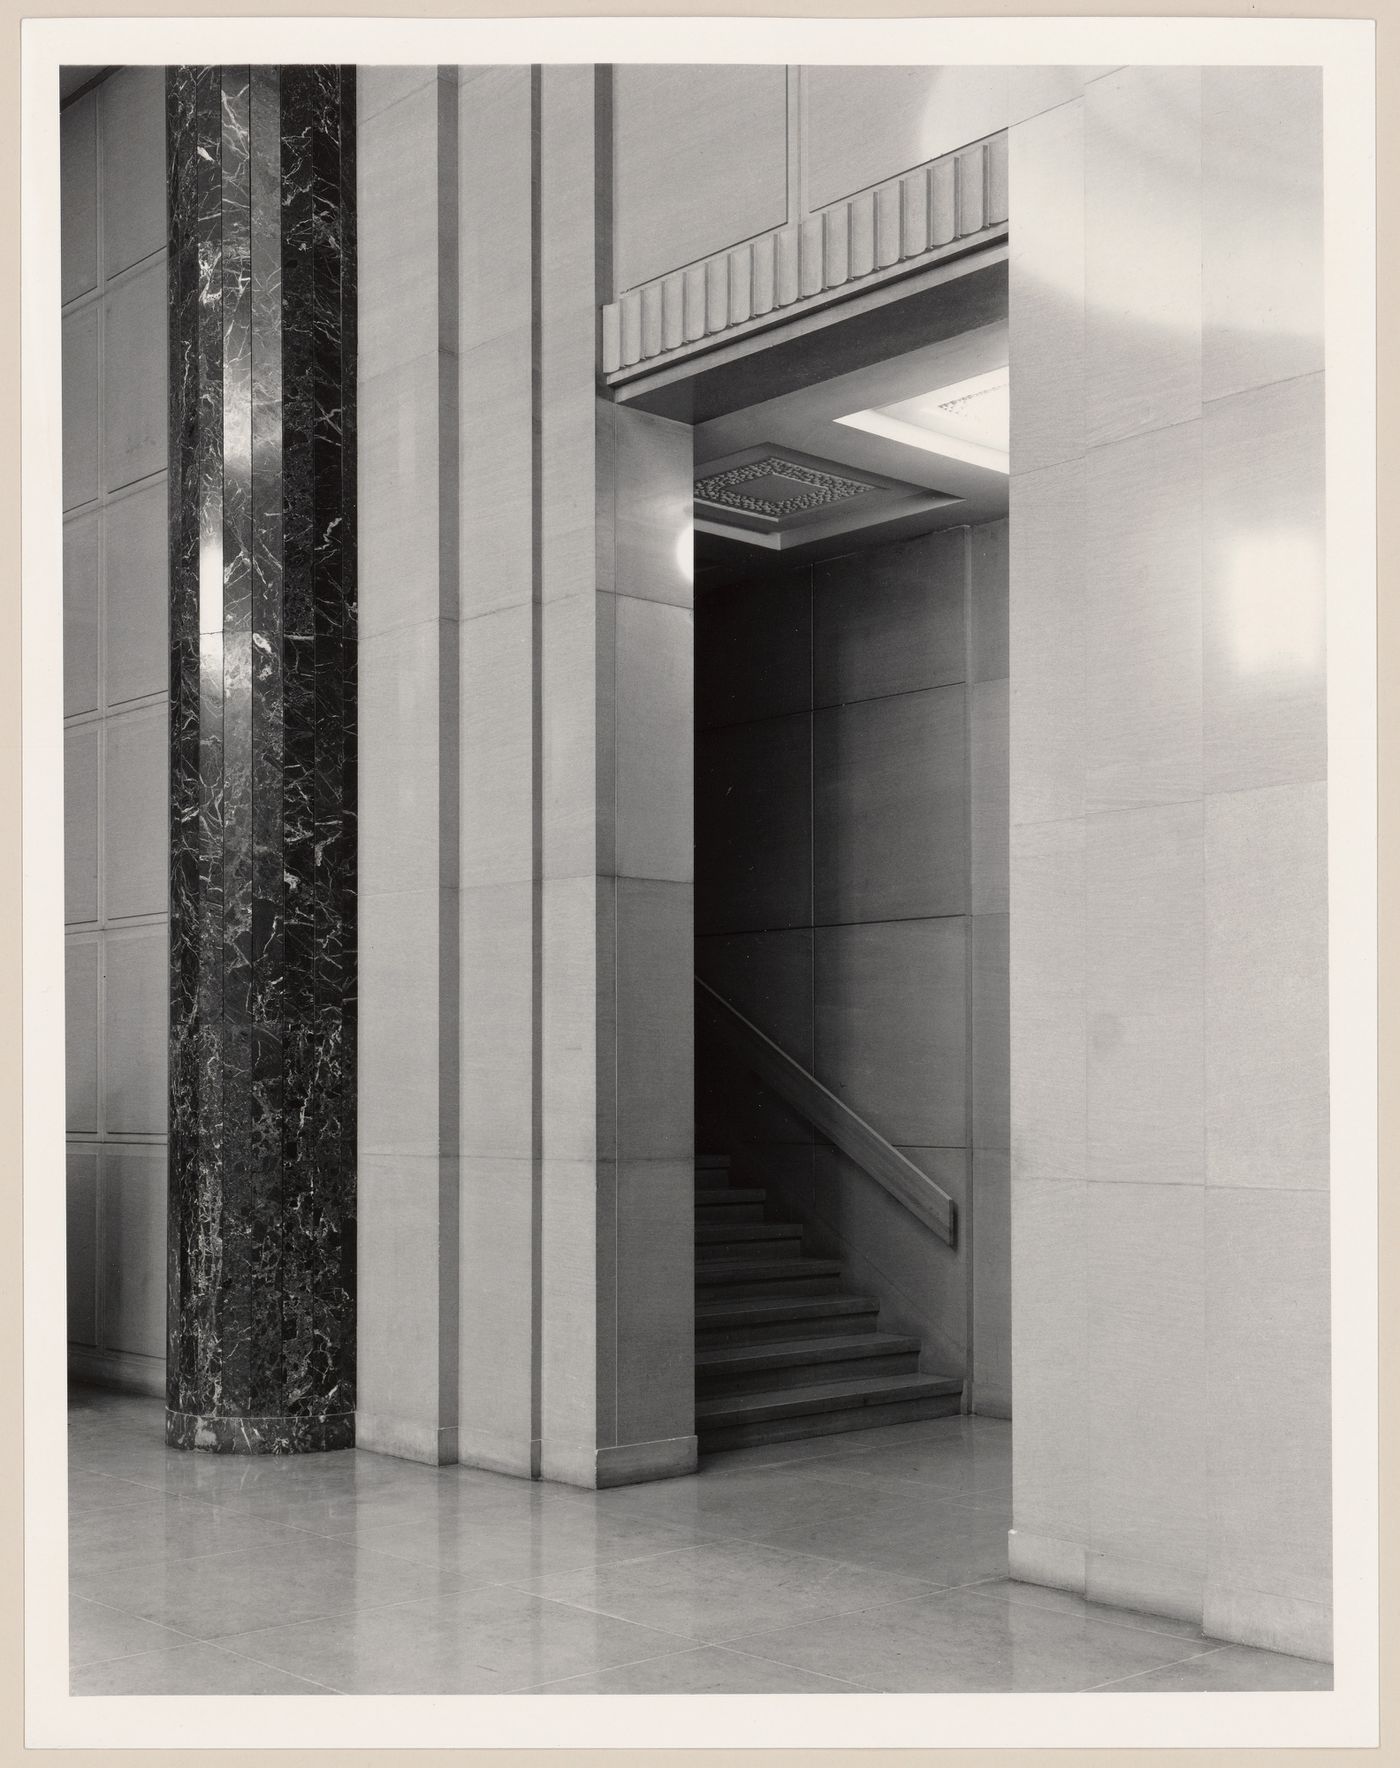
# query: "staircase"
781,1349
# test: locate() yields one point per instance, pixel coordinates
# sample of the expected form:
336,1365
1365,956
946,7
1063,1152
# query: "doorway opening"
851,909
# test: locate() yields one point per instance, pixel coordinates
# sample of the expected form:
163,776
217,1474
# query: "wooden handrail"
832,1117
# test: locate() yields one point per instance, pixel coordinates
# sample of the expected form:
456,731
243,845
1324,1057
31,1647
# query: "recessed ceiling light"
968,421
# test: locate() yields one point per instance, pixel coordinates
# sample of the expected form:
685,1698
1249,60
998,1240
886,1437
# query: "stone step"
759,1276
735,1239
780,1351
757,1319
711,1215
801,1362
730,1249
747,1231
729,1421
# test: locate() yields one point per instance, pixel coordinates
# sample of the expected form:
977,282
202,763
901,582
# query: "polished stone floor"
870,1561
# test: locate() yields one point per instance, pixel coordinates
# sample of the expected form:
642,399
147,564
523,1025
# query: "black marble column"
261,1253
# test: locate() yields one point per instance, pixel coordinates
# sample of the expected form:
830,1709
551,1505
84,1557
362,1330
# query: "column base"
310,1434
623,1464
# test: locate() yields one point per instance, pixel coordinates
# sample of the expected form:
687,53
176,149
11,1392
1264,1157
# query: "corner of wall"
1041,1559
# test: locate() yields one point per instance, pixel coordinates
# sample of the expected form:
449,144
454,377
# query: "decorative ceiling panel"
776,497
775,486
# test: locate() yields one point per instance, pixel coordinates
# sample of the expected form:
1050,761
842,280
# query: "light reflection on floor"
874,1560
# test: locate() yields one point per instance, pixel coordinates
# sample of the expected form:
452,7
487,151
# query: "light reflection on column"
261,176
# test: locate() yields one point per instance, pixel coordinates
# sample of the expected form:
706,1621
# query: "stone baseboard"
119,1370
624,1464
410,1439
1288,1624
1104,1577
1143,1585
513,1455
1042,1559
1275,1623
